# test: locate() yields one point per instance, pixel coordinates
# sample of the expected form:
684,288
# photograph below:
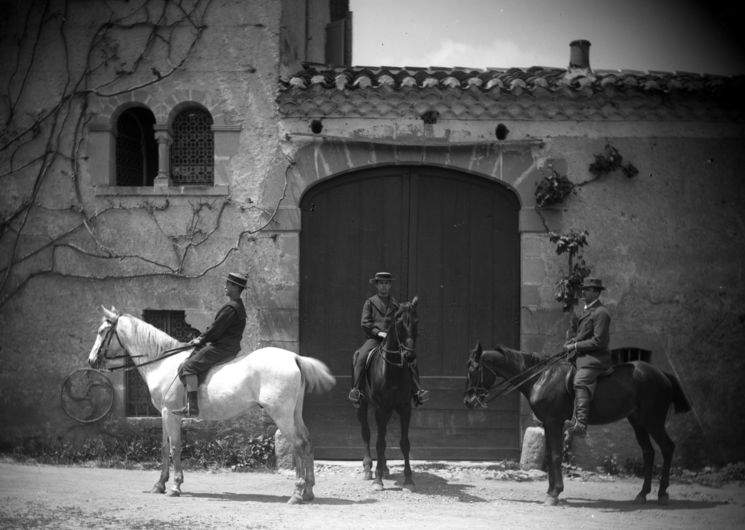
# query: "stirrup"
577,428
355,396
420,397
186,412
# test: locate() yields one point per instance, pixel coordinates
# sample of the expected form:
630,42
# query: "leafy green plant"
611,160
552,189
568,288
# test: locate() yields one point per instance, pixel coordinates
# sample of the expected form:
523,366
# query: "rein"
111,333
514,382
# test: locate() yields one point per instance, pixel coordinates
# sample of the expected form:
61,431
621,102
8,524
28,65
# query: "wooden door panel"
452,240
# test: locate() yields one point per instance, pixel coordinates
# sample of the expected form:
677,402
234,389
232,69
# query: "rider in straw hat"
587,346
378,312
220,342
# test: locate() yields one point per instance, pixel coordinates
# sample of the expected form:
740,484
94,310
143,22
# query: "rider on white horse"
220,342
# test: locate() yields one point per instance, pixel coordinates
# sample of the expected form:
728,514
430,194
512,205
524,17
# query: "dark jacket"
376,317
593,337
226,331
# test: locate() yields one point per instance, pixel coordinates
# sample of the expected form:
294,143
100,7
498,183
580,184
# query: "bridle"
402,350
481,391
106,343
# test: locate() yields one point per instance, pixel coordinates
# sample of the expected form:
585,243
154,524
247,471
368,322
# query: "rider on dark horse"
587,346
378,313
220,342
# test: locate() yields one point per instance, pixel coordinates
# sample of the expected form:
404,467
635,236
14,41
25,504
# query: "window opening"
137,395
625,355
136,148
193,148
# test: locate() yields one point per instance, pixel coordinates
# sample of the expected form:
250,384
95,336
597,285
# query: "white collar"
595,302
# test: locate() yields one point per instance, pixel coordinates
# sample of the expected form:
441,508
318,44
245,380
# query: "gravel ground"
447,495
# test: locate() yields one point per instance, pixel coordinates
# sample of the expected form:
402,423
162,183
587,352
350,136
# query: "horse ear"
477,351
109,314
414,301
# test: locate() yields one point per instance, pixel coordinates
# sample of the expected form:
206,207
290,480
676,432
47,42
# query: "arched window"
136,148
192,148
624,355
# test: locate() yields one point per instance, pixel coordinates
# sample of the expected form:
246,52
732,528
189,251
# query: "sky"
647,35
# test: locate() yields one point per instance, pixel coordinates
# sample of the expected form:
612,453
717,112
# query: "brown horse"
386,388
637,391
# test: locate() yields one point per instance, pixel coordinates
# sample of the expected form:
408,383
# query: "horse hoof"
367,475
295,499
664,499
551,501
408,487
640,499
377,486
308,496
173,493
158,489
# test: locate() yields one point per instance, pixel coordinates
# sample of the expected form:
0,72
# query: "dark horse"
637,391
386,388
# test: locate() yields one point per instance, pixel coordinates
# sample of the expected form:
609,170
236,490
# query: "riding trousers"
203,359
587,377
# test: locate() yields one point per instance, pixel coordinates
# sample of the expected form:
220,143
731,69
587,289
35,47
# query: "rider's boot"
191,410
578,424
420,395
355,396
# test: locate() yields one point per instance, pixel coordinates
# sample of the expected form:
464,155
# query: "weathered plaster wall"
669,243
86,243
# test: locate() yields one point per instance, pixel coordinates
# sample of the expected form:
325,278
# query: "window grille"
137,395
136,148
192,148
625,355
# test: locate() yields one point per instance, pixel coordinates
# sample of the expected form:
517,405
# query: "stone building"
151,150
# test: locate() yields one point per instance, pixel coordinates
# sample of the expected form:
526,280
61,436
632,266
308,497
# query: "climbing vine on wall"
133,46
553,189
568,288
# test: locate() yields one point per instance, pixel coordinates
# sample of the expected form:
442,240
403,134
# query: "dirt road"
447,496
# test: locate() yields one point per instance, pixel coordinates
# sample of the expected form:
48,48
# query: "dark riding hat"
593,283
238,279
381,276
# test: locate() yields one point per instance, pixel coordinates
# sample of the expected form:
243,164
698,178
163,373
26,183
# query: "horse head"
106,332
405,327
479,379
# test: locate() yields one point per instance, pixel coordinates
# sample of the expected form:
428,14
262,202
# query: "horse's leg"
306,448
285,421
666,448
172,424
554,444
642,438
165,457
381,421
365,429
405,415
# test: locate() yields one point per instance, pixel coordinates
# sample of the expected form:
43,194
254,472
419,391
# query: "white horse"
272,378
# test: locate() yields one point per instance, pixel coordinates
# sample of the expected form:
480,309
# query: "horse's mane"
150,341
520,358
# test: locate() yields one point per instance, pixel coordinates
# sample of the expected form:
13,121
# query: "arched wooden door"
449,238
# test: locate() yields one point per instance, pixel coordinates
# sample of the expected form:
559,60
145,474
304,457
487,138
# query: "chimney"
579,55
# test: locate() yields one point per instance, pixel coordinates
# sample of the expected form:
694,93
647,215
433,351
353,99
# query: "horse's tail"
680,401
317,376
